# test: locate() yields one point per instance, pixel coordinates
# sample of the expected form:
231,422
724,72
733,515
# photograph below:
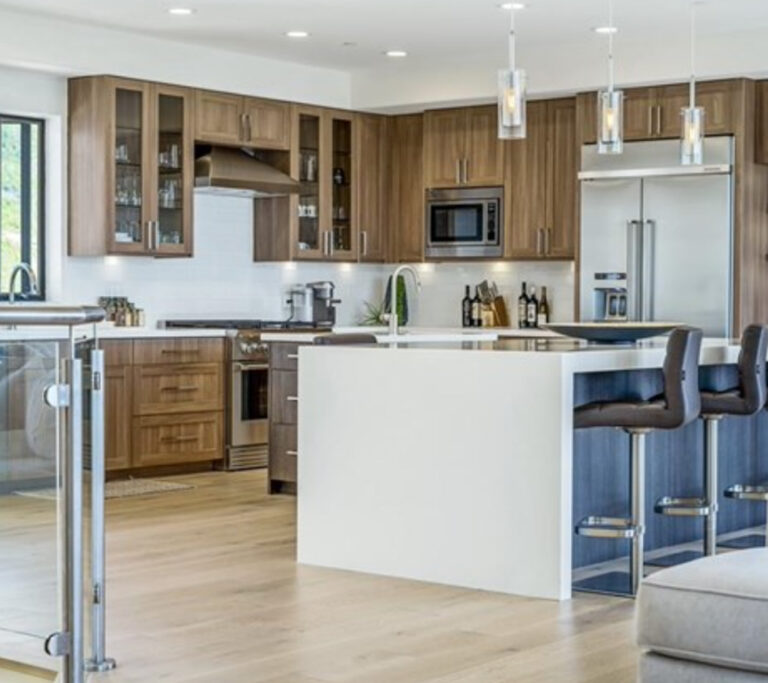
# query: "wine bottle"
477,309
466,308
533,308
543,317
522,308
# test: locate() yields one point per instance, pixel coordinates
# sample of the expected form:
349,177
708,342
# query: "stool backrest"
344,339
681,376
752,357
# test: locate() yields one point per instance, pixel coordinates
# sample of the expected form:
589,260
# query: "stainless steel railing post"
98,661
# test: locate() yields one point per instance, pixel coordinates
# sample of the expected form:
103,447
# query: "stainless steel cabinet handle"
157,235
547,241
651,113
242,126
294,399
458,171
245,367
293,356
539,242
364,240
249,132
330,243
294,453
466,171
180,388
658,121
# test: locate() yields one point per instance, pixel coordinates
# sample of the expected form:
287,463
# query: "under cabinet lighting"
606,30
396,53
297,34
181,11
512,6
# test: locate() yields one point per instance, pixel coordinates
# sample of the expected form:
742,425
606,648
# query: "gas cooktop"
242,324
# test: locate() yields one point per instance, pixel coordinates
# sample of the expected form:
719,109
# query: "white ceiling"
432,31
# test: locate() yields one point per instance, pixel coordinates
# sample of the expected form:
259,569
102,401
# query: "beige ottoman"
706,620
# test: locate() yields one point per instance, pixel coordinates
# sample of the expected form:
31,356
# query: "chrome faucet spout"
394,323
17,269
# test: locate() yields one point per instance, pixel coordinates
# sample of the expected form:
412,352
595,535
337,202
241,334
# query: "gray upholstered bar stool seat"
745,400
344,339
676,407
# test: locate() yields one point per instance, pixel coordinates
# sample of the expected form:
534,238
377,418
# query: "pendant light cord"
511,39
610,47
692,91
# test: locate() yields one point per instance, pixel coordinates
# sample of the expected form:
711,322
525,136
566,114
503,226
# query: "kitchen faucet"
393,321
22,268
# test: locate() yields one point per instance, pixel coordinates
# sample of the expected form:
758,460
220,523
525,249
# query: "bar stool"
746,399
748,492
676,407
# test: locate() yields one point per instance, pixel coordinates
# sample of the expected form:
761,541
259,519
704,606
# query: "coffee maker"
314,303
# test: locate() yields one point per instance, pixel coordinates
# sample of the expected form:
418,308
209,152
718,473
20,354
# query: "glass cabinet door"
129,181
311,240
342,234
173,166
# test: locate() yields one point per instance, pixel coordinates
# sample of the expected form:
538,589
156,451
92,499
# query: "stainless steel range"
247,385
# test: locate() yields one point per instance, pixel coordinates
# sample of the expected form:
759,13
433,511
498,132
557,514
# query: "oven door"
249,400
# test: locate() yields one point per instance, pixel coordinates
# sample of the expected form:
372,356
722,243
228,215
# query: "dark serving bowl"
612,333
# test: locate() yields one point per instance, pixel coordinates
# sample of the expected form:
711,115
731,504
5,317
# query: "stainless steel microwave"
465,223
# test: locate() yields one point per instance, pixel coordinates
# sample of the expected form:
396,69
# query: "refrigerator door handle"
648,241
634,270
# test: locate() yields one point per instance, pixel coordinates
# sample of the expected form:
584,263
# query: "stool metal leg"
637,491
710,484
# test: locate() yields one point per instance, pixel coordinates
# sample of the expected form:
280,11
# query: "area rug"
123,488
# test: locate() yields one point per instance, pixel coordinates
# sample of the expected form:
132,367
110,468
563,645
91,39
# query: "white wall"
54,45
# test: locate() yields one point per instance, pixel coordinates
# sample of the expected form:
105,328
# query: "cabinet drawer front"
178,351
162,389
284,356
282,452
117,352
168,440
283,403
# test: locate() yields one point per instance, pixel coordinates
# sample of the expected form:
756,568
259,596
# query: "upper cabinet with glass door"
131,152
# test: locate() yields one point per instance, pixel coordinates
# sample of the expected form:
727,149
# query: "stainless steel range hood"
236,172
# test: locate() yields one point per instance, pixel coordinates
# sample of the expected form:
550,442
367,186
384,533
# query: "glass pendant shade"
610,121
511,104
692,141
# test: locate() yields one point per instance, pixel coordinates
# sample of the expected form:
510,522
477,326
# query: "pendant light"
692,140
610,104
511,93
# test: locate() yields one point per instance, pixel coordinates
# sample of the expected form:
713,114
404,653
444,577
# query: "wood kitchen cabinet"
406,198
283,416
371,180
131,168
654,113
761,121
164,402
322,220
461,147
541,207
225,119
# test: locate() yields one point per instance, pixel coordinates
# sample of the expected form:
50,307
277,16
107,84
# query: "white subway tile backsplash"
222,280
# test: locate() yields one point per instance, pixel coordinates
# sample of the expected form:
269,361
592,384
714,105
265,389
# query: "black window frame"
27,199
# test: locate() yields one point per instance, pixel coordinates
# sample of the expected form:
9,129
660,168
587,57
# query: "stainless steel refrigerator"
657,235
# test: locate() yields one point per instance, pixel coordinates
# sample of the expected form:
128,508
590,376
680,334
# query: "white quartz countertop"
104,332
417,335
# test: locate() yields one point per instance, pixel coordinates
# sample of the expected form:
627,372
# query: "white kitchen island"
449,463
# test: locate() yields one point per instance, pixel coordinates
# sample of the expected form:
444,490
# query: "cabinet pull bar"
178,351
292,398
180,388
539,242
658,121
178,439
651,114
248,129
292,356
466,171
364,239
293,453
547,241
458,171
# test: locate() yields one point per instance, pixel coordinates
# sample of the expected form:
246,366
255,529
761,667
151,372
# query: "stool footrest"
755,493
683,507
606,527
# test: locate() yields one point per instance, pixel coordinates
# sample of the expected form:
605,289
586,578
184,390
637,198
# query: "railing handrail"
51,315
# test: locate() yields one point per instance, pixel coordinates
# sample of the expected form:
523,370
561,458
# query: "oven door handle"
245,367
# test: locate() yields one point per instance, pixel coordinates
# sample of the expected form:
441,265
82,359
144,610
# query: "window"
22,193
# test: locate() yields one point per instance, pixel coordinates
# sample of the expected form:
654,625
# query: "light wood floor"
203,587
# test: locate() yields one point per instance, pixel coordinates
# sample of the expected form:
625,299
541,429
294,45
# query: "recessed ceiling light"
606,30
181,11
512,5
297,34
396,53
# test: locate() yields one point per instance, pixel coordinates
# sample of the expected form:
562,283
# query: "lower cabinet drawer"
283,452
160,389
172,439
